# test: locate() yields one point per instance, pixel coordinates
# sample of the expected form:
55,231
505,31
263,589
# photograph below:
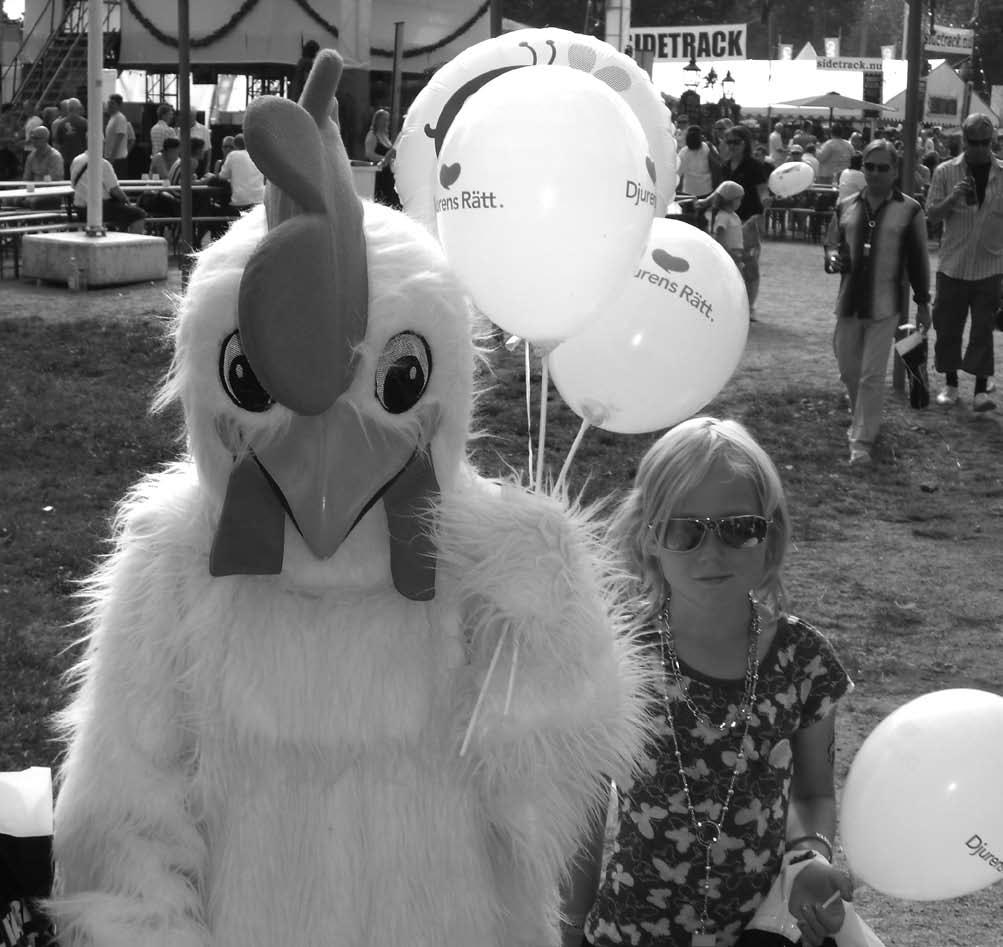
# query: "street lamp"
691,77
728,87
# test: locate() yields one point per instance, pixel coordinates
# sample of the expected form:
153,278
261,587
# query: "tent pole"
914,54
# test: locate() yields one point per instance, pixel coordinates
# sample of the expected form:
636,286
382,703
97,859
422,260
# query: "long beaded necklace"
708,831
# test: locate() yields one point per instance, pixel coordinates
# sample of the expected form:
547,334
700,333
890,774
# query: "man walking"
966,193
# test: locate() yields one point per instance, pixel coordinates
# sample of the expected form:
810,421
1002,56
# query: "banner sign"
950,40
681,43
873,91
849,63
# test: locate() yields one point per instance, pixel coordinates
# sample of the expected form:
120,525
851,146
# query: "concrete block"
111,260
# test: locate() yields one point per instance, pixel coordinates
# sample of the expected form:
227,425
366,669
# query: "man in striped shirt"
966,193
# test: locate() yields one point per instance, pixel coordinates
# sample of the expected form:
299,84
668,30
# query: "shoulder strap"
80,172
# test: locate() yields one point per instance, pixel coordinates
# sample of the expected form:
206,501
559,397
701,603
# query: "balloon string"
529,418
544,385
575,444
483,692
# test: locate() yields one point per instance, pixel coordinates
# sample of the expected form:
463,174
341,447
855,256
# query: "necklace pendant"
707,832
702,939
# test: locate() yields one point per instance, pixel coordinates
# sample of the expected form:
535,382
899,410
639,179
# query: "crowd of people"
42,145
878,239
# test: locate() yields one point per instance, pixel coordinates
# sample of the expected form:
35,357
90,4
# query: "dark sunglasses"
734,141
871,166
979,142
686,533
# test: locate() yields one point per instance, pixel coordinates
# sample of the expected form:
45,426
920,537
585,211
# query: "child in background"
740,769
723,222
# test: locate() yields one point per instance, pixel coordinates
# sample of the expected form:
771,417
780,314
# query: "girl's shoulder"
792,630
806,653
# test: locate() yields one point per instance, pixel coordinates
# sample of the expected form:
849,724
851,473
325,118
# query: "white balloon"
667,344
850,182
792,177
544,199
437,105
921,816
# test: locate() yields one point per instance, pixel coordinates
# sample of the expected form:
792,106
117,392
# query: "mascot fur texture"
304,753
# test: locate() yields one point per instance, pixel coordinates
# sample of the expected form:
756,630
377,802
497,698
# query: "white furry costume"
275,758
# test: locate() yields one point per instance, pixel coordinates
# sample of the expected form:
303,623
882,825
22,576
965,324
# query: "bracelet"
811,837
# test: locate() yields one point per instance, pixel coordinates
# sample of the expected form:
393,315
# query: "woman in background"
380,150
696,175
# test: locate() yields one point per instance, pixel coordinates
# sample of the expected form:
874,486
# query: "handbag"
914,350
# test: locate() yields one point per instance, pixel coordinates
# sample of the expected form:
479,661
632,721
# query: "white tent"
945,94
231,34
760,83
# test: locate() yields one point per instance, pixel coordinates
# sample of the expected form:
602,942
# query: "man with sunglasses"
966,193
878,237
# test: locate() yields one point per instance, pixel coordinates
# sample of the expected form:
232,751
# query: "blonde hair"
678,461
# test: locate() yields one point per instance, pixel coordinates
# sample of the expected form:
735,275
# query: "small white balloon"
792,177
544,198
850,182
667,344
920,816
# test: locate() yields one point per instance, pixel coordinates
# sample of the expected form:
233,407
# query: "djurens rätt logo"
977,847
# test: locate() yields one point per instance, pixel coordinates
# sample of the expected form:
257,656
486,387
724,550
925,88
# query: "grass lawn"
899,565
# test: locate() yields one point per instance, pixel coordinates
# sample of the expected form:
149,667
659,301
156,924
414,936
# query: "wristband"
812,837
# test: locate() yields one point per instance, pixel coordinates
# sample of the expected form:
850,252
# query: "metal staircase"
60,69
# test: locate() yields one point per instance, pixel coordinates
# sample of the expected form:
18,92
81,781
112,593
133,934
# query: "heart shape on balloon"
668,262
448,174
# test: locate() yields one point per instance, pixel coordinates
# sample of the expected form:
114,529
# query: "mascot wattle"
338,689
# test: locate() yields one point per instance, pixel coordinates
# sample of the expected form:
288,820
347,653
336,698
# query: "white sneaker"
859,457
990,385
948,396
982,402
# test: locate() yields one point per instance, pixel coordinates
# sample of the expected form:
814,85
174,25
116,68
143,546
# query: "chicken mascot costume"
338,689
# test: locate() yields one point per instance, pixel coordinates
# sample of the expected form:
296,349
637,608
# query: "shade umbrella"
833,101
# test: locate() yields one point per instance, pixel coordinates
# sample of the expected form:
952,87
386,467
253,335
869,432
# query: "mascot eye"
402,372
239,380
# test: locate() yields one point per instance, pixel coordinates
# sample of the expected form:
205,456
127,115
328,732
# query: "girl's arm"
813,789
583,882
811,823
370,148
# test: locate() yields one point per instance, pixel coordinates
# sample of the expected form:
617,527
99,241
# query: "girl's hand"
815,885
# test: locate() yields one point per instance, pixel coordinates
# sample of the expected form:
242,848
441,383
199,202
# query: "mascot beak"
330,469
326,472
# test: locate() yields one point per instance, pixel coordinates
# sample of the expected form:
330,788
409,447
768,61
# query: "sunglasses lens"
680,535
742,532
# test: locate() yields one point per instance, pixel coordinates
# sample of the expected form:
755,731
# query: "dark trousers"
114,214
955,297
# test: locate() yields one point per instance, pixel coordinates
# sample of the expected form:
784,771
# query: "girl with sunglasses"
740,767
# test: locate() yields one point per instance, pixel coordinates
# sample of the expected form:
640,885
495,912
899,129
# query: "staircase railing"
73,23
24,42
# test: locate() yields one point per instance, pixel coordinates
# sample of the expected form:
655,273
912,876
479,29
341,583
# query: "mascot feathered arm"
559,689
127,843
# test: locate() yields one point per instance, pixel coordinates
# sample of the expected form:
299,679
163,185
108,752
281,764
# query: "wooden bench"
10,239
